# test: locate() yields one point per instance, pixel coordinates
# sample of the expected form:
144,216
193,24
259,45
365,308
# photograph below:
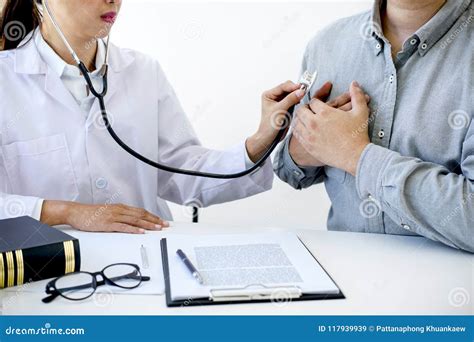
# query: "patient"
406,165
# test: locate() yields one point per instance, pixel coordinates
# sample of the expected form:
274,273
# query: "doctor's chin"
237,171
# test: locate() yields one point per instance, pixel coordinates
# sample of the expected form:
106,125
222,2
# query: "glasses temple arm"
52,296
132,275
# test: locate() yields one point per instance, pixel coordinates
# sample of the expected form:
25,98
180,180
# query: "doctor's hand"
343,102
333,136
275,105
101,218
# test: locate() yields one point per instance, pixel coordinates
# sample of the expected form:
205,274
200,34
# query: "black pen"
190,266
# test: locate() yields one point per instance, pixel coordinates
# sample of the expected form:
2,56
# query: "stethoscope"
100,97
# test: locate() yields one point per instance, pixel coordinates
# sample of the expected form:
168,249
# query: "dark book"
31,251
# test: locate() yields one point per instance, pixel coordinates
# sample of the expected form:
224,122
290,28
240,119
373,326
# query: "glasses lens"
75,285
122,275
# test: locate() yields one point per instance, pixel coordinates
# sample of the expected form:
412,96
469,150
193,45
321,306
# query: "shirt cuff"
262,177
300,172
372,163
15,206
36,214
248,162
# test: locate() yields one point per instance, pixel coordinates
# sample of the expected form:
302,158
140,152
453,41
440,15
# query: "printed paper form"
240,260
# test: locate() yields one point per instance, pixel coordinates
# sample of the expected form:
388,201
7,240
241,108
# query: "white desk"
379,274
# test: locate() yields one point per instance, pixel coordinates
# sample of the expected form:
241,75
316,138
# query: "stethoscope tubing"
101,98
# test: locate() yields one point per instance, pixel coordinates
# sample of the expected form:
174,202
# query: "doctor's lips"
109,17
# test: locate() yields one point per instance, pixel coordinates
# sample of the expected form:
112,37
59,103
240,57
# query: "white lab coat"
51,149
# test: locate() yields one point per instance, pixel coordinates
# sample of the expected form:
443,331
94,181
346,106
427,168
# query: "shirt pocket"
41,168
335,173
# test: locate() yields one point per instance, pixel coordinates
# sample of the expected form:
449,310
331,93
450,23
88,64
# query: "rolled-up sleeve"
423,197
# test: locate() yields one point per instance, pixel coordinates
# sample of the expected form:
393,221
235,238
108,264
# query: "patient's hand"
327,133
343,102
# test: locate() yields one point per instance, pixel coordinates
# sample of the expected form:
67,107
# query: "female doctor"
57,161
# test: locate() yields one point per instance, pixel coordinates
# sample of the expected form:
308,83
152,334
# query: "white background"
220,56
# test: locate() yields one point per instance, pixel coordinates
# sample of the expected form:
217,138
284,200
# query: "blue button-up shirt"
417,175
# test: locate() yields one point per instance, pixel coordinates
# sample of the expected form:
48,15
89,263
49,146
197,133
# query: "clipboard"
256,293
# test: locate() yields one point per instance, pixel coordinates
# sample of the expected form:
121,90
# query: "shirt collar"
375,27
430,33
58,65
29,61
427,35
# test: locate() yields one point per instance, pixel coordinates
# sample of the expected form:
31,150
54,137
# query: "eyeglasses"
82,285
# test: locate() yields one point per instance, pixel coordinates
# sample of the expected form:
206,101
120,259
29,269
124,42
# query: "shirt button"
406,227
101,183
424,46
378,46
413,41
381,134
297,173
391,78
